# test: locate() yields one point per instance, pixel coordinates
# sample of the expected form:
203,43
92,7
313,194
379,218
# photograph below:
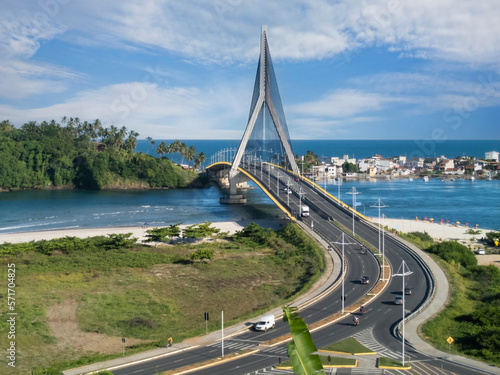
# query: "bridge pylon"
266,137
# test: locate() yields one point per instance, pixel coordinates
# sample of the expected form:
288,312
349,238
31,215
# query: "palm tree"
96,129
149,139
183,150
199,159
190,154
161,149
131,142
171,149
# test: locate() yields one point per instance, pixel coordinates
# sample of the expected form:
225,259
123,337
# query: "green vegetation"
349,167
114,288
163,234
389,362
422,240
83,155
334,362
301,348
472,317
473,232
348,346
454,253
493,238
306,164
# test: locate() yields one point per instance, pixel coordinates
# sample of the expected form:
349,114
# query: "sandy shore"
138,232
435,230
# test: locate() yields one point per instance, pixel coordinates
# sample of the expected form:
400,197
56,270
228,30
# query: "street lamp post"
288,192
278,184
403,273
300,200
354,193
380,205
343,264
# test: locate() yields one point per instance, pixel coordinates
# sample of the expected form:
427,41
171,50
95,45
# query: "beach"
138,232
437,231
440,232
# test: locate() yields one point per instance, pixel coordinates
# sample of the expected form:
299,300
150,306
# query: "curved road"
377,325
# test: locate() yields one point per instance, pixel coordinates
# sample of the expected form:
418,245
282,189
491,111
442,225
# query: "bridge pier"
233,199
235,180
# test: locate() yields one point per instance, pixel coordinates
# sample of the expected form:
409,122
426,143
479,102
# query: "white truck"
265,323
304,211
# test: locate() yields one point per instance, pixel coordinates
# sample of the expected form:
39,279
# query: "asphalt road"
376,325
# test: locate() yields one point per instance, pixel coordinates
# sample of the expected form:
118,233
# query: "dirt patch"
63,323
484,260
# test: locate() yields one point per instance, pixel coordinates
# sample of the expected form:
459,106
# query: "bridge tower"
266,137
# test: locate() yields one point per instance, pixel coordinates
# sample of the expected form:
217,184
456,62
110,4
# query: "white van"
265,323
304,211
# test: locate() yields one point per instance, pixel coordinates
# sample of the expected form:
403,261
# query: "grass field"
347,346
143,294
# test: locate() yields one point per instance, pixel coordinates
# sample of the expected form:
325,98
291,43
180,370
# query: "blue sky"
169,69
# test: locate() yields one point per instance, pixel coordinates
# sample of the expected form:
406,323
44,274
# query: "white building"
416,163
492,155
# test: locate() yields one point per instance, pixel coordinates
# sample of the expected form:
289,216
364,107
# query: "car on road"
408,290
265,323
398,300
480,252
365,279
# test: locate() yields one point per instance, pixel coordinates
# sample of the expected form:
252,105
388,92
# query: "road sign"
450,340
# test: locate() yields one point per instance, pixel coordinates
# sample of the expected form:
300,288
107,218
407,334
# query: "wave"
34,225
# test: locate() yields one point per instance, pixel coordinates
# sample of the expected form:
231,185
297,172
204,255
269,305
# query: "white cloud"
226,30
152,110
342,103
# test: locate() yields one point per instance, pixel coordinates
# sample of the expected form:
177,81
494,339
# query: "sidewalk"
330,275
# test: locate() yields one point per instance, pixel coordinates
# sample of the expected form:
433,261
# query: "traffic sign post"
449,340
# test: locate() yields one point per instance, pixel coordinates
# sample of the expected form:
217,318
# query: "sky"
172,69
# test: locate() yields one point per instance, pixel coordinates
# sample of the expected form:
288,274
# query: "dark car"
408,290
365,279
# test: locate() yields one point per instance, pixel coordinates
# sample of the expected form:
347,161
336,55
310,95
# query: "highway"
377,326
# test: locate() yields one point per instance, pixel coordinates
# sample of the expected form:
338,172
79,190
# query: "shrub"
493,238
203,230
253,234
452,251
202,254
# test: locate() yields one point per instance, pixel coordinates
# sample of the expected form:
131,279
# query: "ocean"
472,202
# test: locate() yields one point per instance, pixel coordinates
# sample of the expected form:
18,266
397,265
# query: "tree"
199,159
162,149
163,234
203,230
349,167
190,154
149,139
183,150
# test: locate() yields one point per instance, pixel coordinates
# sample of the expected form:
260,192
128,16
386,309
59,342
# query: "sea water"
472,202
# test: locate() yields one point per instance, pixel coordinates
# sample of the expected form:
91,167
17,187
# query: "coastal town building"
415,163
492,155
